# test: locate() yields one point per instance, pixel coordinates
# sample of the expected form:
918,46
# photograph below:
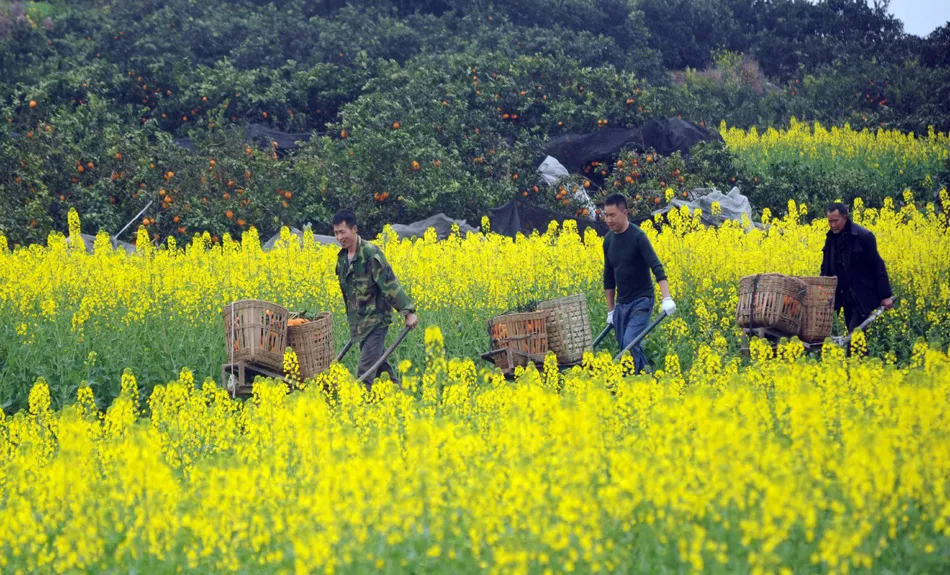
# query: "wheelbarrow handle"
602,335
386,354
842,341
345,349
642,335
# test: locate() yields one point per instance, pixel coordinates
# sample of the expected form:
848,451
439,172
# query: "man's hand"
669,307
610,317
412,320
887,303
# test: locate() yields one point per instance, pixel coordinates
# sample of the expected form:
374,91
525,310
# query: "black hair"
837,207
618,200
345,217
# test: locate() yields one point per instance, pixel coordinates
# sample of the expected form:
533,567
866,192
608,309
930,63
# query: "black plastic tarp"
665,136
518,216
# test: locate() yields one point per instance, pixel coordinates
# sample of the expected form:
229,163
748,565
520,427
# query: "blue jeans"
630,319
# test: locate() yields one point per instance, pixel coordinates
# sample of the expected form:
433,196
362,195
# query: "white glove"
610,317
669,307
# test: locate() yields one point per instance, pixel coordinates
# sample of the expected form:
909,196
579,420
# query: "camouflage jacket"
370,290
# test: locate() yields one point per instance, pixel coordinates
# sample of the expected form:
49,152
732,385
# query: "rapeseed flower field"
782,462
69,316
787,465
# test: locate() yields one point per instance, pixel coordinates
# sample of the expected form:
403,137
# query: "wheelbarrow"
490,355
389,350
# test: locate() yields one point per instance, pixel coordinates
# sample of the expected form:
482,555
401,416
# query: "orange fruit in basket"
296,321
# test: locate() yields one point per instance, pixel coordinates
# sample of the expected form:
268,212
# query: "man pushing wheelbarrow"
370,291
628,261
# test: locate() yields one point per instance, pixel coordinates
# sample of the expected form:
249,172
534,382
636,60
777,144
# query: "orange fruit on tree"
288,194
176,219
395,125
240,222
586,183
229,214
32,103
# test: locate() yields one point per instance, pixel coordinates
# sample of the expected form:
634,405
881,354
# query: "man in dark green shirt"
370,291
628,260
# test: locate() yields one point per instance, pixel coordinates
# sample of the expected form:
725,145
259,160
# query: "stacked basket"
312,341
523,336
819,306
256,332
568,328
771,302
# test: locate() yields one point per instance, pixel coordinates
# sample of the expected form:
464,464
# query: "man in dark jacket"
850,253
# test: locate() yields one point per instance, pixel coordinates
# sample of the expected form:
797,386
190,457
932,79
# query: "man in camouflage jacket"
370,291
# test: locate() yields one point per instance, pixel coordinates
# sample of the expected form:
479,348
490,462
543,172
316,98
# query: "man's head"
837,216
345,229
615,212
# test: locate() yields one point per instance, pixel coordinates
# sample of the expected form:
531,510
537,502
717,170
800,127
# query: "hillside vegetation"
421,107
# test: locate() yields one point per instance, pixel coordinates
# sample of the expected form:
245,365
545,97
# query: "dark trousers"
853,317
630,319
853,314
371,349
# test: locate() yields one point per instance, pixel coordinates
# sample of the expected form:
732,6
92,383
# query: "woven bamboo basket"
523,332
258,333
313,343
569,329
819,302
771,301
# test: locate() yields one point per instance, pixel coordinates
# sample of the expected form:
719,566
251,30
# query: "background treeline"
424,106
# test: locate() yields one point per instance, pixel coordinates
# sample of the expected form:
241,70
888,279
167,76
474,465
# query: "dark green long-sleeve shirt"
628,259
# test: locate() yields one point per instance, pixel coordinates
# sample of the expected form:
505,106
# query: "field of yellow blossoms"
73,317
787,465
118,454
